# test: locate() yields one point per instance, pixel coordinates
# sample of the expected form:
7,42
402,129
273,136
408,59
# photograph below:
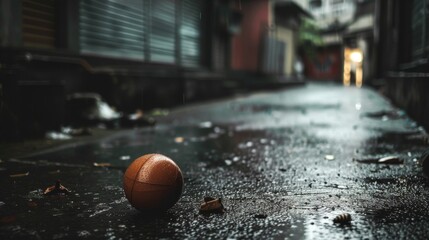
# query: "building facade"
136,54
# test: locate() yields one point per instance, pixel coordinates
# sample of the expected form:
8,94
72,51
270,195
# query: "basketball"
153,183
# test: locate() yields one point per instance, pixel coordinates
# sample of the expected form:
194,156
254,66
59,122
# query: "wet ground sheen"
264,154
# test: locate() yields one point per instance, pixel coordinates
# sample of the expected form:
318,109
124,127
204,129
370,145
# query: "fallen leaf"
212,206
56,189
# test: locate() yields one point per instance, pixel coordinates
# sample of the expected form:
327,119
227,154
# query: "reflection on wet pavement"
265,155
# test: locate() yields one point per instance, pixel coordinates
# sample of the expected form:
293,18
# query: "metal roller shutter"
419,28
112,28
190,33
38,23
160,31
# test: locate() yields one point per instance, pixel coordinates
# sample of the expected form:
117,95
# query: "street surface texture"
284,163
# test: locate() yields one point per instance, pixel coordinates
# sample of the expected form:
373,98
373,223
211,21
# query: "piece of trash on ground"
57,136
212,205
102,164
384,160
179,139
57,189
343,218
76,131
329,157
125,158
20,175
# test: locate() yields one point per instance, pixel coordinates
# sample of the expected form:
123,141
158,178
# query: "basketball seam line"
138,172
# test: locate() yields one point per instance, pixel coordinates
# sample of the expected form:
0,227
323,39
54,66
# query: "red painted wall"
326,64
245,51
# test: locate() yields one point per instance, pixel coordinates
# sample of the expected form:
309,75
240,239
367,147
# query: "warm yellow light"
346,74
359,76
356,56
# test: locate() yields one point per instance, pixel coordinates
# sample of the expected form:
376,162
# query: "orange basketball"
153,183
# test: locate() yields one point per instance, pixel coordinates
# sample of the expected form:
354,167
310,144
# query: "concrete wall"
246,45
410,93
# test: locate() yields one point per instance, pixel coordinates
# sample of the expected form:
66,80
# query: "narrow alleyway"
285,163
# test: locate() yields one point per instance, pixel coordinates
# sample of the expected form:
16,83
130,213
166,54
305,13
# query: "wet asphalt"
285,164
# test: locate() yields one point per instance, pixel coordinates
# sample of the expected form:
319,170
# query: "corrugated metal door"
190,29
38,23
419,28
112,28
160,31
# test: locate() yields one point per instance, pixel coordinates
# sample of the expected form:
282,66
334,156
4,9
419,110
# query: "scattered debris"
212,205
125,158
57,189
343,218
329,157
102,164
179,139
384,160
89,108
228,162
109,166
137,119
57,136
19,175
2,203
76,131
